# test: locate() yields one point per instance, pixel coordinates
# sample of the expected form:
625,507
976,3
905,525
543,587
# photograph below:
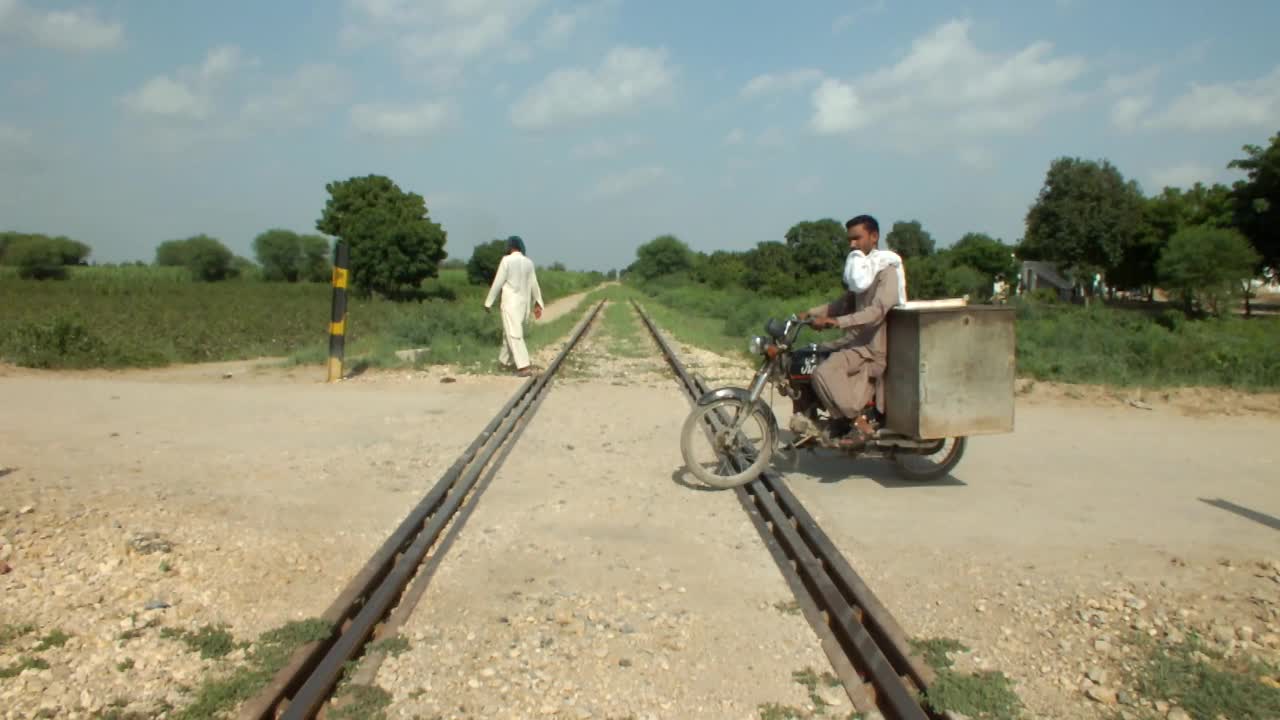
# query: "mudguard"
741,394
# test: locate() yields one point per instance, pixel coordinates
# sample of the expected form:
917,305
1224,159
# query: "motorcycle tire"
695,430
939,470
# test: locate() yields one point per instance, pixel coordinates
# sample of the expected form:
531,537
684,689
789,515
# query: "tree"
483,265
909,239
1257,200
1208,266
1084,218
818,247
772,270
37,260
208,259
990,257
1163,216
394,245
62,250
205,257
280,254
663,255
316,264
721,269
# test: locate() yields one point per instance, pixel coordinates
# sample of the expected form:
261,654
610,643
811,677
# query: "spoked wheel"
921,467
706,446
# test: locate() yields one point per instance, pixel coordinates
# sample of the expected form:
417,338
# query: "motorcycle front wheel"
708,449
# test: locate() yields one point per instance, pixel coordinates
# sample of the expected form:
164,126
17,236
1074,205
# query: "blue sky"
590,127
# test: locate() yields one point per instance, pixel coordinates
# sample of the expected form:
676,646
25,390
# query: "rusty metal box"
950,370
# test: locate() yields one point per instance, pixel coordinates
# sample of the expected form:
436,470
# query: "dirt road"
133,502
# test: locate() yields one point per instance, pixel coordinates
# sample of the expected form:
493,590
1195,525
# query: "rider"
875,283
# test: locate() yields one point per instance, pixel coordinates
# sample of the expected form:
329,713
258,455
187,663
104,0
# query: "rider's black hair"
867,220
516,243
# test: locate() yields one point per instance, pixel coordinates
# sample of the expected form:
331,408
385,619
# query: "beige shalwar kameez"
517,281
843,380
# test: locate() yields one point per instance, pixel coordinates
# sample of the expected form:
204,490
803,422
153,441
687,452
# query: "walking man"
518,282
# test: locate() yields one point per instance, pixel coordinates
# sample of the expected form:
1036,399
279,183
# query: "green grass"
1055,342
269,653
210,641
24,663
624,336
149,317
9,633
982,696
1203,682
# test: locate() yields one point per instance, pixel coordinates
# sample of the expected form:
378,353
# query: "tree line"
1202,245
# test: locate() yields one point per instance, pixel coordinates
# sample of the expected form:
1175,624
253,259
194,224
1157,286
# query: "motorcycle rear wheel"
950,458
695,431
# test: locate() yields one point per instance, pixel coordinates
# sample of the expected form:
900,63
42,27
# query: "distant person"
875,283
518,281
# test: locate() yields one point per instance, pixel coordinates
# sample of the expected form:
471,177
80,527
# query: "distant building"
1037,274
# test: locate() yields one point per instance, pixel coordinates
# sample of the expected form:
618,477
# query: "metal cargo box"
950,370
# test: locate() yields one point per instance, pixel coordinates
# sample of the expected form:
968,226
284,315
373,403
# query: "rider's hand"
822,323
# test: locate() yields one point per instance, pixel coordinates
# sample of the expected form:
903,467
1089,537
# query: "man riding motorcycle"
875,283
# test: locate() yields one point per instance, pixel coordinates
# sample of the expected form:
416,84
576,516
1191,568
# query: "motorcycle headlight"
756,345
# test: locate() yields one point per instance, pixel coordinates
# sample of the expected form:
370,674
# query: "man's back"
517,280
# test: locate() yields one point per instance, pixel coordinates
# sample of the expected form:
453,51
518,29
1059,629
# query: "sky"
588,127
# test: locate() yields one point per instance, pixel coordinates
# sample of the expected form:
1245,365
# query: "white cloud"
12,136
976,157
946,82
438,38
630,181
1127,111
602,148
162,95
626,78
770,83
1182,176
562,24
402,121
837,108
189,93
291,100
219,99
70,30
736,136
1225,106
847,20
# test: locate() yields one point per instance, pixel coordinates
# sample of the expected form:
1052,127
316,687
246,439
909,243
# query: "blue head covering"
515,242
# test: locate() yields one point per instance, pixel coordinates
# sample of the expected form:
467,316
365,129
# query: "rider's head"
864,233
515,243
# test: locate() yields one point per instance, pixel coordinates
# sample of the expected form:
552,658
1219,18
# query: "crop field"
148,317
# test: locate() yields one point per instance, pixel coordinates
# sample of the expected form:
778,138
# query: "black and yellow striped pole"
338,319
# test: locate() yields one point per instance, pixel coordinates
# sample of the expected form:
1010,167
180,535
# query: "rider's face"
860,239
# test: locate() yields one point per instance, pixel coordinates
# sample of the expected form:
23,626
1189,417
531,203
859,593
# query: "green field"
1055,342
148,317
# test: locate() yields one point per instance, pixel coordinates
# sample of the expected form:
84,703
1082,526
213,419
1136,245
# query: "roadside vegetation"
1139,291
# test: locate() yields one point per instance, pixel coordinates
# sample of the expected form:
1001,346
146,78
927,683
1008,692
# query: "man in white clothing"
518,282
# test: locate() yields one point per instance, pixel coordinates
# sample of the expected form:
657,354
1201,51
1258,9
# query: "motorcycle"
722,415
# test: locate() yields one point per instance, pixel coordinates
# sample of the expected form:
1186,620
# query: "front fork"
753,396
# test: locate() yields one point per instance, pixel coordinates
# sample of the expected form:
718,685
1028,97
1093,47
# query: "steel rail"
302,686
868,649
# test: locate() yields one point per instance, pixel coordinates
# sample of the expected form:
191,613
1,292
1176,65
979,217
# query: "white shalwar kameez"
518,283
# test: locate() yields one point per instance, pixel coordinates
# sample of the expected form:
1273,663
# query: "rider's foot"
802,425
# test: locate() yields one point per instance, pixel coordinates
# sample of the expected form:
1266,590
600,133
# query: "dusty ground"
133,502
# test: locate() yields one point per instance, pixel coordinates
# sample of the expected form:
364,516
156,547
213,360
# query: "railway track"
866,646
374,604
